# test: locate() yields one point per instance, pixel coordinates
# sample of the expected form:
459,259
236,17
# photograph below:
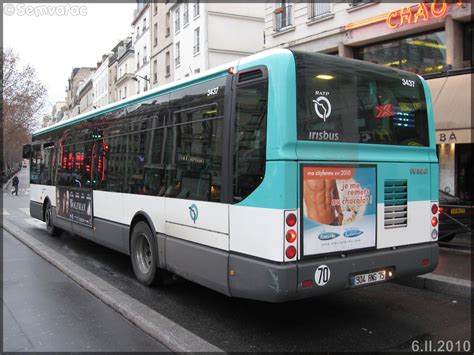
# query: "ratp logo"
322,106
193,212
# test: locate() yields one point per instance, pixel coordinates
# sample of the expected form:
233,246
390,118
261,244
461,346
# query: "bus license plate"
368,278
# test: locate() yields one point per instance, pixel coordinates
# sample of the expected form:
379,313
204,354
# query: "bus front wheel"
48,218
144,254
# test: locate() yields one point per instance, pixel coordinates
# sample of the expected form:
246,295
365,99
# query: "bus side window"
35,166
249,143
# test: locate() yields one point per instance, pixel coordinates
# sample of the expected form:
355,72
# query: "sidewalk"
40,302
453,274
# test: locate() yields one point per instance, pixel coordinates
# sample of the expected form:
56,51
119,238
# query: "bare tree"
24,96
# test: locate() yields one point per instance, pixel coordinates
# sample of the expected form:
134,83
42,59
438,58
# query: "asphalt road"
385,317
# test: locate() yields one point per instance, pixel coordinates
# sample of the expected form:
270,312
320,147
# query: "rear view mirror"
27,151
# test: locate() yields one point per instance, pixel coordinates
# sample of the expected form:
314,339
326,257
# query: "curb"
438,283
167,332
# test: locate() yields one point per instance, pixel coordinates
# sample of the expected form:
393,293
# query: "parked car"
455,216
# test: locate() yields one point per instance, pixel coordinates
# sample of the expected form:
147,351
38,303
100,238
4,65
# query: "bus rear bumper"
273,282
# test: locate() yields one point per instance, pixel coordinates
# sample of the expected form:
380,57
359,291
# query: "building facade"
86,95
142,45
100,83
162,71
431,39
77,78
204,34
126,84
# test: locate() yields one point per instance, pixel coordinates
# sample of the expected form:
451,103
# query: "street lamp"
136,77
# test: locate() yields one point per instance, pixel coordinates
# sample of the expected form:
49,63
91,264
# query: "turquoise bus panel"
330,151
278,189
281,116
434,182
431,120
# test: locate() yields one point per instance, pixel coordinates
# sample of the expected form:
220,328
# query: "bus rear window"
343,100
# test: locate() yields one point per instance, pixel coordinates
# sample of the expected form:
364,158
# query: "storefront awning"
452,107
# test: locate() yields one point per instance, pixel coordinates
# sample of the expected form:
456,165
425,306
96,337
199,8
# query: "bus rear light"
291,236
231,70
425,262
307,283
290,252
291,219
434,221
434,208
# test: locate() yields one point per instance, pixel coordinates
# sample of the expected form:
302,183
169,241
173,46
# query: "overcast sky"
58,37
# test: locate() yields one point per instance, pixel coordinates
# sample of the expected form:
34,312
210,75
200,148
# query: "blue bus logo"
353,232
328,236
193,212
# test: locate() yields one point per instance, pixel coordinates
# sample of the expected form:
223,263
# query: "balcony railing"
283,17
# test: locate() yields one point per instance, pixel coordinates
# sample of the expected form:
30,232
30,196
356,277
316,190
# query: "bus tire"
144,254
48,218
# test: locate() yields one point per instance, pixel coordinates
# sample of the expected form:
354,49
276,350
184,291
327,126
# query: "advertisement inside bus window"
339,208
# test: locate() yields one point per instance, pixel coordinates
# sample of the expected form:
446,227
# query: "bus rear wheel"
48,218
144,254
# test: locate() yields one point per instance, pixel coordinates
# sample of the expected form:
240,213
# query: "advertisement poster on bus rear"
339,208
75,203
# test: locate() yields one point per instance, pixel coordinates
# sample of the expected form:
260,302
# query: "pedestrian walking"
15,183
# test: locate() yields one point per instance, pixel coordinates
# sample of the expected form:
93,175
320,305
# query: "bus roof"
162,89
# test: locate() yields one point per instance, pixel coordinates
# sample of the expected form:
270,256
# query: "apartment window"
138,32
283,16
155,34
167,64
145,83
360,2
177,59
155,71
185,13
197,71
176,20
120,94
144,24
125,91
126,69
196,8
168,20
138,60
319,9
155,8
196,41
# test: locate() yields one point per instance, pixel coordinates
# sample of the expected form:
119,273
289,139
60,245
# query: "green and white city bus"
280,176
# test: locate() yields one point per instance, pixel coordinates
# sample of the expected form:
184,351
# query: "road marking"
35,222
169,333
5,212
25,210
